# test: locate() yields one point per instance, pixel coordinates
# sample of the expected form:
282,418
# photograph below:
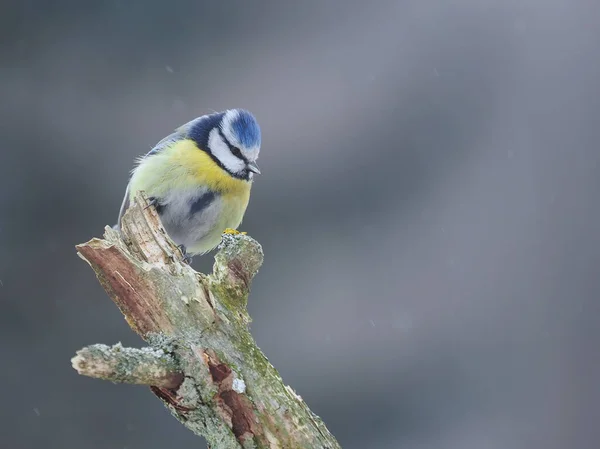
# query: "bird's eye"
237,153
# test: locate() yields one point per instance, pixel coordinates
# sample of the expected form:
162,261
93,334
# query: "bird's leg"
186,257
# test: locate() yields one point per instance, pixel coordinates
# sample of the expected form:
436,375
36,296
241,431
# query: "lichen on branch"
146,366
202,361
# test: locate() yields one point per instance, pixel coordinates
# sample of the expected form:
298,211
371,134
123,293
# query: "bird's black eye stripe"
234,150
237,153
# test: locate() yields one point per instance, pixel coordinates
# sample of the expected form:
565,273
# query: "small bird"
199,178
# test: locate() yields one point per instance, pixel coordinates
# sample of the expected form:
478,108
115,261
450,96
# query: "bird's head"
232,138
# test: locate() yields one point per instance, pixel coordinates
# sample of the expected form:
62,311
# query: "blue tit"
199,178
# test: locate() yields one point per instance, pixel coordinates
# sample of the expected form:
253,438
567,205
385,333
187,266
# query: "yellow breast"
182,166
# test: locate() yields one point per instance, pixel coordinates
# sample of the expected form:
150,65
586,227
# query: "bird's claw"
187,259
230,231
152,201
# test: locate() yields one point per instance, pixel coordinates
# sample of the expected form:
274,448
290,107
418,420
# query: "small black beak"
253,167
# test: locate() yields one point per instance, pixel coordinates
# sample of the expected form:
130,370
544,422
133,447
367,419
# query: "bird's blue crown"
246,129
238,125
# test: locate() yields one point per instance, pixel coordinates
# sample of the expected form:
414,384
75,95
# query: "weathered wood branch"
147,366
202,361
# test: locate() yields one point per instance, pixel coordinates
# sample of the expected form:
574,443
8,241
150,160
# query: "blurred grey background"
428,209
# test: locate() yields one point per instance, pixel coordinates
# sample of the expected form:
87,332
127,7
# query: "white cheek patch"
222,152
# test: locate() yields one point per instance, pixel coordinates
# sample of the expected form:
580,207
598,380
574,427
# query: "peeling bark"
205,367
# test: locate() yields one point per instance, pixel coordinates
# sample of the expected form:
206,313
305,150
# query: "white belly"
199,228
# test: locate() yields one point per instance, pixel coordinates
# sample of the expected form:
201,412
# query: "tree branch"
147,366
202,361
